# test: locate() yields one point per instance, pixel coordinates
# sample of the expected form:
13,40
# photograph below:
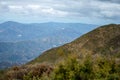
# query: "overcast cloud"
100,11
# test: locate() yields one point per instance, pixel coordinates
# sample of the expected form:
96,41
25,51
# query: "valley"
20,43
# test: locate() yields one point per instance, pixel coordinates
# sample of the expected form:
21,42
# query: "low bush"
82,67
29,72
88,67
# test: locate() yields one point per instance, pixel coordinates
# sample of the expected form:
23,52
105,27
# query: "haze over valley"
20,43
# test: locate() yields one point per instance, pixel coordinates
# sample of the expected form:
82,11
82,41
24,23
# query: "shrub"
29,72
98,67
74,67
16,73
2,75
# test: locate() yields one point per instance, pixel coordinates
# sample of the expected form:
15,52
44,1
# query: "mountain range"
20,43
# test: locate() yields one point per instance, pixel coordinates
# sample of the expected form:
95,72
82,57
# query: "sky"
75,11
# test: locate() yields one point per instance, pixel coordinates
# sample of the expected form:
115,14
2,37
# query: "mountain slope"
104,40
20,43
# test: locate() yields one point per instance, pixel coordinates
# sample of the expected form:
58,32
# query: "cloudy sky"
83,11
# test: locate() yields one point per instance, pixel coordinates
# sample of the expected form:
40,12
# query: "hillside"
104,40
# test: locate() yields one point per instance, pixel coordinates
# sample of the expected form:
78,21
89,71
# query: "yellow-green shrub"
97,67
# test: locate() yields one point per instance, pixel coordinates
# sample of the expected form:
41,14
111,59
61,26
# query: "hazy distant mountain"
103,40
13,31
20,43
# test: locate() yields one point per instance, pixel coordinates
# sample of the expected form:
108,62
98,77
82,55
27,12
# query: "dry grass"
35,70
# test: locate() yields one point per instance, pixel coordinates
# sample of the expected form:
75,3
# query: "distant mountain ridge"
21,32
103,40
20,43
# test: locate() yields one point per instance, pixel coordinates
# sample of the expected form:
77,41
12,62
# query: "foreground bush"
82,67
88,67
29,72
2,76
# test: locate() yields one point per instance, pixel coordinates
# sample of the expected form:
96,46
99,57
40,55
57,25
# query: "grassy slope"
105,40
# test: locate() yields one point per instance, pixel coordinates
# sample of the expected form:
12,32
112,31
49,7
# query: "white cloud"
53,12
15,7
35,9
101,9
33,6
110,11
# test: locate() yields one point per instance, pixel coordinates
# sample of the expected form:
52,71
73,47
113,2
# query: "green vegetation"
75,67
88,68
2,76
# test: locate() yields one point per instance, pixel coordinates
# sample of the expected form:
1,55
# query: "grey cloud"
112,1
94,8
103,9
3,8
